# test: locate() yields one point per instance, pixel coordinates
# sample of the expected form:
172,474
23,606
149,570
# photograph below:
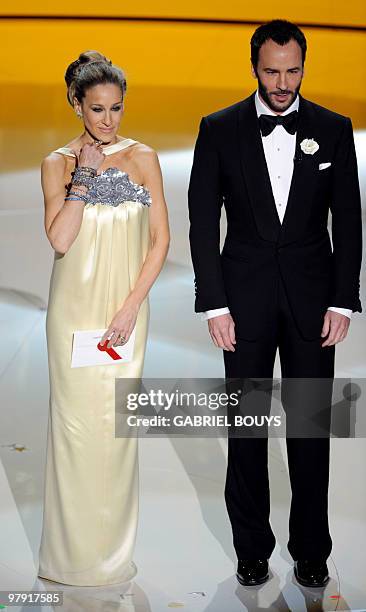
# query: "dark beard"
267,99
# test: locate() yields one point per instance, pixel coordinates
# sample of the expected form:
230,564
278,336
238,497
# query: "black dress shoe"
311,573
252,572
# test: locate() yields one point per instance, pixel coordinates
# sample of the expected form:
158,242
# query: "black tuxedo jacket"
230,168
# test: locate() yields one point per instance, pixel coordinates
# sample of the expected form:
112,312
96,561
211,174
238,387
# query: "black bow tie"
267,123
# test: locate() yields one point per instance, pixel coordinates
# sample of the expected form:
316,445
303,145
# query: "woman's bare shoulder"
143,154
54,164
139,148
54,160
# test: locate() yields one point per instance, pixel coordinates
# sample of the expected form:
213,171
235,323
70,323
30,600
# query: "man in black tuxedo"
278,163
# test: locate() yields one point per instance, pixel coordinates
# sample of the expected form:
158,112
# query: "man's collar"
262,109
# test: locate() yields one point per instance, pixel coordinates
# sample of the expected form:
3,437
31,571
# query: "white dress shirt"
279,150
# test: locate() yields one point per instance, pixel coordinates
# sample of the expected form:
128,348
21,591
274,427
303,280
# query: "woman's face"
102,110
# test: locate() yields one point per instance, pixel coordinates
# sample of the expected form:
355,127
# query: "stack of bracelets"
83,176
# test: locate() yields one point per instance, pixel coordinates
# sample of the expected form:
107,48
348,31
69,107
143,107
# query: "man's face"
279,74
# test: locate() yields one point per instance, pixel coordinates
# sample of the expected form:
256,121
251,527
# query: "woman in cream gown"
91,483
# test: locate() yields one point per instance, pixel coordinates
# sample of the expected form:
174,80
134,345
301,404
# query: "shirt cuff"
344,311
209,314
216,312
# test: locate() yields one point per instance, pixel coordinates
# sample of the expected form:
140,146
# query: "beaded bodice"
113,186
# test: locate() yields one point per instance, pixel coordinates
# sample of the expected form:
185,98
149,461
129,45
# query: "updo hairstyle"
90,69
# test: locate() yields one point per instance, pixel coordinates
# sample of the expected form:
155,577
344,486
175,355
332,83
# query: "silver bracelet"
67,199
84,178
78,195
88,169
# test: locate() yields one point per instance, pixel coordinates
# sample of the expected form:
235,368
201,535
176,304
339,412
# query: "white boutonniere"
309,146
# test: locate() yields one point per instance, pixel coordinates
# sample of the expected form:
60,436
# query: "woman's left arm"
124,320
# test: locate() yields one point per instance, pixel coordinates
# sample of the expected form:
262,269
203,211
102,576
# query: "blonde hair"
90,69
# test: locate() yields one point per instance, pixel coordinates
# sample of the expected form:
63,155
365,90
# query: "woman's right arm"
62,219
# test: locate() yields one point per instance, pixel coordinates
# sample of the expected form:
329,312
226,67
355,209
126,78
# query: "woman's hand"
121,326
90,155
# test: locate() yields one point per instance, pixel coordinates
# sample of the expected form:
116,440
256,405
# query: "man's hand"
336,325
222,331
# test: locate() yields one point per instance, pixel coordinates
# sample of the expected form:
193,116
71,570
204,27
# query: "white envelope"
85,351
324,165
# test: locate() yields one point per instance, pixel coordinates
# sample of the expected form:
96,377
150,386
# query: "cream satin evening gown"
91,480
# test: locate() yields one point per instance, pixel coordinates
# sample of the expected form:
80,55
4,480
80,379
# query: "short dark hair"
281,32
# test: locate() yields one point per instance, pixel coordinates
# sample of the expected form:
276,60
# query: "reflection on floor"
184,551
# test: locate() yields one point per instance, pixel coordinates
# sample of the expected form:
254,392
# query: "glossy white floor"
184,552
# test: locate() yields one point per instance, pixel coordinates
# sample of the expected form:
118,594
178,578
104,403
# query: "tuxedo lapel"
303,178
255,171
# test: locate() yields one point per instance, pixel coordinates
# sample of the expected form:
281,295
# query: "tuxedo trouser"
247,492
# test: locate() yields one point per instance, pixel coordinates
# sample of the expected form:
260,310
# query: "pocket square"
325,165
